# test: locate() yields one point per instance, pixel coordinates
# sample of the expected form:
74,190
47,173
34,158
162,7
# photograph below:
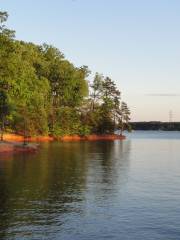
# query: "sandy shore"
19,138
94,137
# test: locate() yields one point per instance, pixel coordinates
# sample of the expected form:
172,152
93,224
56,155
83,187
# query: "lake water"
127,190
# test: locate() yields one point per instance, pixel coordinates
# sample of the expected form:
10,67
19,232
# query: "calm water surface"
94,190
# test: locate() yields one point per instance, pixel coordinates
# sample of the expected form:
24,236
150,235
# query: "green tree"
29,93
111,99
49,94
124,117
97,87
4,110
68,83
5,32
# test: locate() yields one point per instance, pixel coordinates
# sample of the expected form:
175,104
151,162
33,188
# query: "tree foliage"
41,92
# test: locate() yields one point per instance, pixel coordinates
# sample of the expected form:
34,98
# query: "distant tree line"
41,92
164,126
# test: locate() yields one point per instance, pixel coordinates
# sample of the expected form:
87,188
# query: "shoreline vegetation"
43,94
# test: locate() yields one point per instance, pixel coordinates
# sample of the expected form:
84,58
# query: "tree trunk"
122,127
2,129
25,142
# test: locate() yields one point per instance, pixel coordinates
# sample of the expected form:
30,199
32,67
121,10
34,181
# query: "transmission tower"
170,116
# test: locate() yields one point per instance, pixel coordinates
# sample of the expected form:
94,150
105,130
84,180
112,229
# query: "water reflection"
108,167
41,193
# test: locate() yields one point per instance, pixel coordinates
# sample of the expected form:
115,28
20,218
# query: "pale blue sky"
135,42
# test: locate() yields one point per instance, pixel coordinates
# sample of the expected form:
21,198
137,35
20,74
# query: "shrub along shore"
44,94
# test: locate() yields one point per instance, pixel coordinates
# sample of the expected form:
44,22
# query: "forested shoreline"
42,93
156,126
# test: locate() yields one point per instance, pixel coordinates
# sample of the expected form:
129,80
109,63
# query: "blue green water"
94,190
